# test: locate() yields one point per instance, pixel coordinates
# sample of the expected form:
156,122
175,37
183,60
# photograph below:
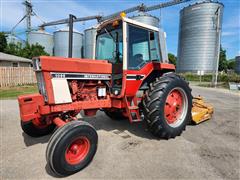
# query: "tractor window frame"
149,55
111,29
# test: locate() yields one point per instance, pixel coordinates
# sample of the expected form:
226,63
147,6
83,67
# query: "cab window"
143,47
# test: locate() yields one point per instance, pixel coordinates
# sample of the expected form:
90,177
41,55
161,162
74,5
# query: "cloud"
229,33
13,11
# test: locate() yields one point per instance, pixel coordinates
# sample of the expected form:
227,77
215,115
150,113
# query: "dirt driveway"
128,151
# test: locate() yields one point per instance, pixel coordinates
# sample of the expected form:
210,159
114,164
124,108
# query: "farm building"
8,60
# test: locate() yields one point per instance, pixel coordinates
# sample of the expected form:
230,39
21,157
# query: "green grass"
14,92
208,77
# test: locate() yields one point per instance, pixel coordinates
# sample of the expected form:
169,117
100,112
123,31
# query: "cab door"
142,51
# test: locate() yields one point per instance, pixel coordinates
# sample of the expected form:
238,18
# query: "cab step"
133,107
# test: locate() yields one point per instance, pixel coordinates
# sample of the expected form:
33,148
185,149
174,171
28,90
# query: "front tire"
36,131
71,148
167,106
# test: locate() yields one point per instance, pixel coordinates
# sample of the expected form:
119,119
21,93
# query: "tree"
231,64
34,50
223,63
3,42
172,58
28,51
14,49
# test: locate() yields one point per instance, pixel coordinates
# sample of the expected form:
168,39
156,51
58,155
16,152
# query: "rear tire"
34,131
167,106
71,148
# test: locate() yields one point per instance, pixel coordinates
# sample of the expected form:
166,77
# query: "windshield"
109,44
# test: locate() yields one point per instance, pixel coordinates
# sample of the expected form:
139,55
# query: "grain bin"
89,42
237,65
42,38
146,19
153,21
199,37
14,40
60,39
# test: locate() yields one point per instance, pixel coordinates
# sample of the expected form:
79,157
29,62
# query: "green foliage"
172,58
3,42
223,63
28,51
208,77
14,49
231,64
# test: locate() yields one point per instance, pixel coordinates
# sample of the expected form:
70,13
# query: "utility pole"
217,51
70,40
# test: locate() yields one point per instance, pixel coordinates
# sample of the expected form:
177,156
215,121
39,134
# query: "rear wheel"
34,130
167,106
71,148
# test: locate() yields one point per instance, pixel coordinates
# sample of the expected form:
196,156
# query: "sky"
11,11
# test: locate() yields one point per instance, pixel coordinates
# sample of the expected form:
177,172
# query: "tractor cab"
133,48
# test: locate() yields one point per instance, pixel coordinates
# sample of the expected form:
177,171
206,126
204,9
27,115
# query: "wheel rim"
176,107
77,150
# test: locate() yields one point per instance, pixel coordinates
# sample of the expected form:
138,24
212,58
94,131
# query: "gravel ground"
209,150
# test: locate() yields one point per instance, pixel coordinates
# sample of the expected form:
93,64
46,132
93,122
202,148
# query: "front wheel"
34,130
167,106
71,148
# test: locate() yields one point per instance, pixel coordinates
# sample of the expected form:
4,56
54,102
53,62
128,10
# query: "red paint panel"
162,66
132,86
29,106
60,64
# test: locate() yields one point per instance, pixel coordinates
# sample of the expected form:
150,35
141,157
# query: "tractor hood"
76,65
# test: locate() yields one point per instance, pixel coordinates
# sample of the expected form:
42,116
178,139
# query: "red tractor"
128,80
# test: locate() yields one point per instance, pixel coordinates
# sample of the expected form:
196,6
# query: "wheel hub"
77,150
174,106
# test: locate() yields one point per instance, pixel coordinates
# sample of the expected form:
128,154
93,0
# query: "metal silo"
237,66
60,39
89,42
153,21
13,39
42,38
199,37
146,19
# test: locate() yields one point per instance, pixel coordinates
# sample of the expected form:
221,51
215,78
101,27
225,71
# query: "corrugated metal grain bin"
43,38
146,19
14,40
199,37
89,42
153,21
60,39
